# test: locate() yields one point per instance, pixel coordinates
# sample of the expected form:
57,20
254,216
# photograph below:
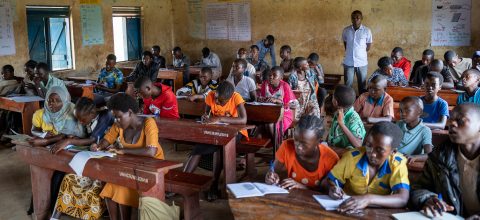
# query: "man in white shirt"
211,59
357,40
244,85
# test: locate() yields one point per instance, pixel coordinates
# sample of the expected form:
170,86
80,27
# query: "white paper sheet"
81,158
451,22
329,203
244,190
420,216
26,98
261,103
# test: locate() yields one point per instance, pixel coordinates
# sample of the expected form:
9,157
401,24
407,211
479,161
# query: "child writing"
198,89
434,107
133,135
376,104
374,175
303,162
158,99
417,138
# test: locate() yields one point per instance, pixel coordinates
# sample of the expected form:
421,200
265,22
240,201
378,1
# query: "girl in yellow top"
130,134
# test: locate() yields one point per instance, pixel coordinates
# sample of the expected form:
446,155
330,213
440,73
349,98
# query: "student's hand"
290,183
474,217
272,178
354,203
192,98
211,120
94,147
49,134
335,192
115,150
340,116
436,207
38,141
410,159
57,147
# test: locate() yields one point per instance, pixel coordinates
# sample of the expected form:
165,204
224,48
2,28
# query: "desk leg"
41,180
158,190
229,161
27,115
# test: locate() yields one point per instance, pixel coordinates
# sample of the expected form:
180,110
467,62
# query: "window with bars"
127,35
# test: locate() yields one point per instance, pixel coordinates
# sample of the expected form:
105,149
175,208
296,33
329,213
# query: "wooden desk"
146,175
176,76
81,79
330,81
194,71
298,204
220,135
81,91
126,70
398,93
25,108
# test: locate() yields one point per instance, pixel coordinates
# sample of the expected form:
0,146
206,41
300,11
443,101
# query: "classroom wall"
316,26
156,25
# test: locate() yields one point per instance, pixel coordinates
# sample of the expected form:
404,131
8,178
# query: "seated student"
302,79
417,138
133,135
158,99
199,88
395,76
435,109
28,84
400,61
275,90
250,71
211,59
146,68
56,120
434,66
109,81
476,60
181,60
456,65
450,181
347,130
287,61
8,82
427,57
223,105
303,162
245,86
316,68
79,188
470,81
375,105
261,67
44,80
157,58
373,175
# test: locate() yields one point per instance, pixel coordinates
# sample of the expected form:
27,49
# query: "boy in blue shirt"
470,80
435,108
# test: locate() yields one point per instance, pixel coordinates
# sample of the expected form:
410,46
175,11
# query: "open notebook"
420,216
243,190
329,203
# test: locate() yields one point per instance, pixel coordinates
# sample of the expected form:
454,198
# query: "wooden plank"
398,93
27,109
176,76
81,79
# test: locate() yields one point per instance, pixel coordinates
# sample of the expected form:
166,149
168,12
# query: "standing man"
266,46
357,40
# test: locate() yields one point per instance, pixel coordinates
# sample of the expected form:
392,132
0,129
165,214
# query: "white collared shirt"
356,51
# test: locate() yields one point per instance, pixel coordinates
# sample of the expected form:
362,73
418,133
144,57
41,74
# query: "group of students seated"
373,170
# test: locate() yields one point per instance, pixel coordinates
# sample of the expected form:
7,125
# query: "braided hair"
311,122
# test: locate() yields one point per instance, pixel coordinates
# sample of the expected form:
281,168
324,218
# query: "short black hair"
415,99
85,105
156,47
449,55
379,78
397,49
429,52
207,70
254,47
112,57
177,49
311,122
270,38
278,69
287,48
384,62
470,107
8,68
225,90
345,95
205,50
43,66
147,53
433,75
436,63
31,64
141,81
388,129
122,102
473,71
297,61
314,57
357,12
242,62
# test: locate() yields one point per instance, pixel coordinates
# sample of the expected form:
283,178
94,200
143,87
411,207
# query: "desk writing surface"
398,93
27,109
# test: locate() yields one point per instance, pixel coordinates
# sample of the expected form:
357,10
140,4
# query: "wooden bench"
398,93
189,185
176,76
330,81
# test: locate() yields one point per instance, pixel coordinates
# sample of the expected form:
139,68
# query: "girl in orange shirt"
303,162
130,134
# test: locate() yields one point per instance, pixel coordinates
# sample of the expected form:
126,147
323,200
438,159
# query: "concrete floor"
15,189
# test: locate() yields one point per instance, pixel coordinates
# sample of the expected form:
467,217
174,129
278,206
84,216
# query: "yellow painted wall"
316,26
156,25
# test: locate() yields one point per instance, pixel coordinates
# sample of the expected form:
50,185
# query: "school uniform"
464,64
195,88
405,65
397,77
367,107
464,97
414,139
434,111
354,123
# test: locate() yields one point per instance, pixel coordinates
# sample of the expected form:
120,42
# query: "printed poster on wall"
451,22
217,21
228,21
196,23
92,24
7,38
